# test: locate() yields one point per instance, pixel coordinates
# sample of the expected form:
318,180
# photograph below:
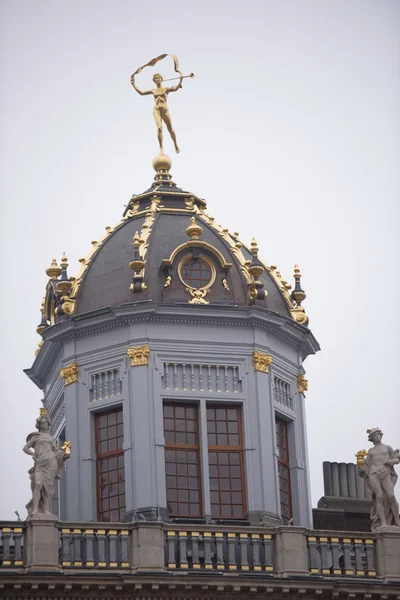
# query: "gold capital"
70,373
261,361
139,356
302,383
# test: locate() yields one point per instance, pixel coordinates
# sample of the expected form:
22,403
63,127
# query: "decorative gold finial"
194,231
54,270
254,246
137,264
43,412
64,259
298,295
360,455
160,94
162,163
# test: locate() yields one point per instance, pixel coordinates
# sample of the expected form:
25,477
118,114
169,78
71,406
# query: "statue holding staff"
380,479
160,94
49,459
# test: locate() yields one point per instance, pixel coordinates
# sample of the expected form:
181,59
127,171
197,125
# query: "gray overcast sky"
290,131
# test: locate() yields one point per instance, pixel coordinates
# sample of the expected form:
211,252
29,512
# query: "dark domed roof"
167,249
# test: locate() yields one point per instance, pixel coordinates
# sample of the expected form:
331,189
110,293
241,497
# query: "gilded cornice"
261,361
139,356
302,383
297,312
70,373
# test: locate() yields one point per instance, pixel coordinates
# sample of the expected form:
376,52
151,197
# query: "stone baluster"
94,388
201,384
6,535
219,544
77,547
192,378
106,384
268,558
359,551
195,550
112,546
124,545
171,562
183,550
209,378
235,370
184,386
101,547
65,547
89,544
232,566
370,554
347,548
176,377
336,549
18,546
315,559
166,375
244,545
326,556
207,550
226,379
218,379
255,542
113,375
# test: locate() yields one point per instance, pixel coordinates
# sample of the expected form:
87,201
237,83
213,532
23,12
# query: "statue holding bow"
160,93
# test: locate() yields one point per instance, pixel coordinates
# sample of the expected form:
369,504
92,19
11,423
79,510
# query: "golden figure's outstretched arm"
139,91
176,87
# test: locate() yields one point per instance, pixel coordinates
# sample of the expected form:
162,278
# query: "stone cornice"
109,318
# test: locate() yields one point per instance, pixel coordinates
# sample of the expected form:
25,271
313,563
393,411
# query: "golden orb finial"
194,231
162,163
64,259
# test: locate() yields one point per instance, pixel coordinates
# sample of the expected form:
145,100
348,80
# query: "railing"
349,556
219,550
99,547
11,544
283,551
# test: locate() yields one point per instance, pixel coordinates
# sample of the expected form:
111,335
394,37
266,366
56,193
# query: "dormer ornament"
137,265
255,268
194,231
298,295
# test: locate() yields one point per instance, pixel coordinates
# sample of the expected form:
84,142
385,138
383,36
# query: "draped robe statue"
49,459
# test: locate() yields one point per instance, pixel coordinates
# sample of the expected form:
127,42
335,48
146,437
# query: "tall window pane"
110,466
182,465
282,447
225,458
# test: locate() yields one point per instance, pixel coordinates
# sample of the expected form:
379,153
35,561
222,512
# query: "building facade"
173,363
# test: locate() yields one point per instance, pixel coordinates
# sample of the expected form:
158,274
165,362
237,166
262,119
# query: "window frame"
228,449
100,456
188,448
284,463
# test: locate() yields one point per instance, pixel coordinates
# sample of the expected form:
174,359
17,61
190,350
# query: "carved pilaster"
139,356
70,373
261,361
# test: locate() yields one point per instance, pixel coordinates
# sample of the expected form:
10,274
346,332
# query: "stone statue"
380,479
49,459
160,94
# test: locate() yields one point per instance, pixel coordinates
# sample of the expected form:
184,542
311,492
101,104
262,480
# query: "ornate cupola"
173,362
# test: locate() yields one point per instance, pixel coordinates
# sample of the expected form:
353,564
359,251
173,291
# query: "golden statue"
160,93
